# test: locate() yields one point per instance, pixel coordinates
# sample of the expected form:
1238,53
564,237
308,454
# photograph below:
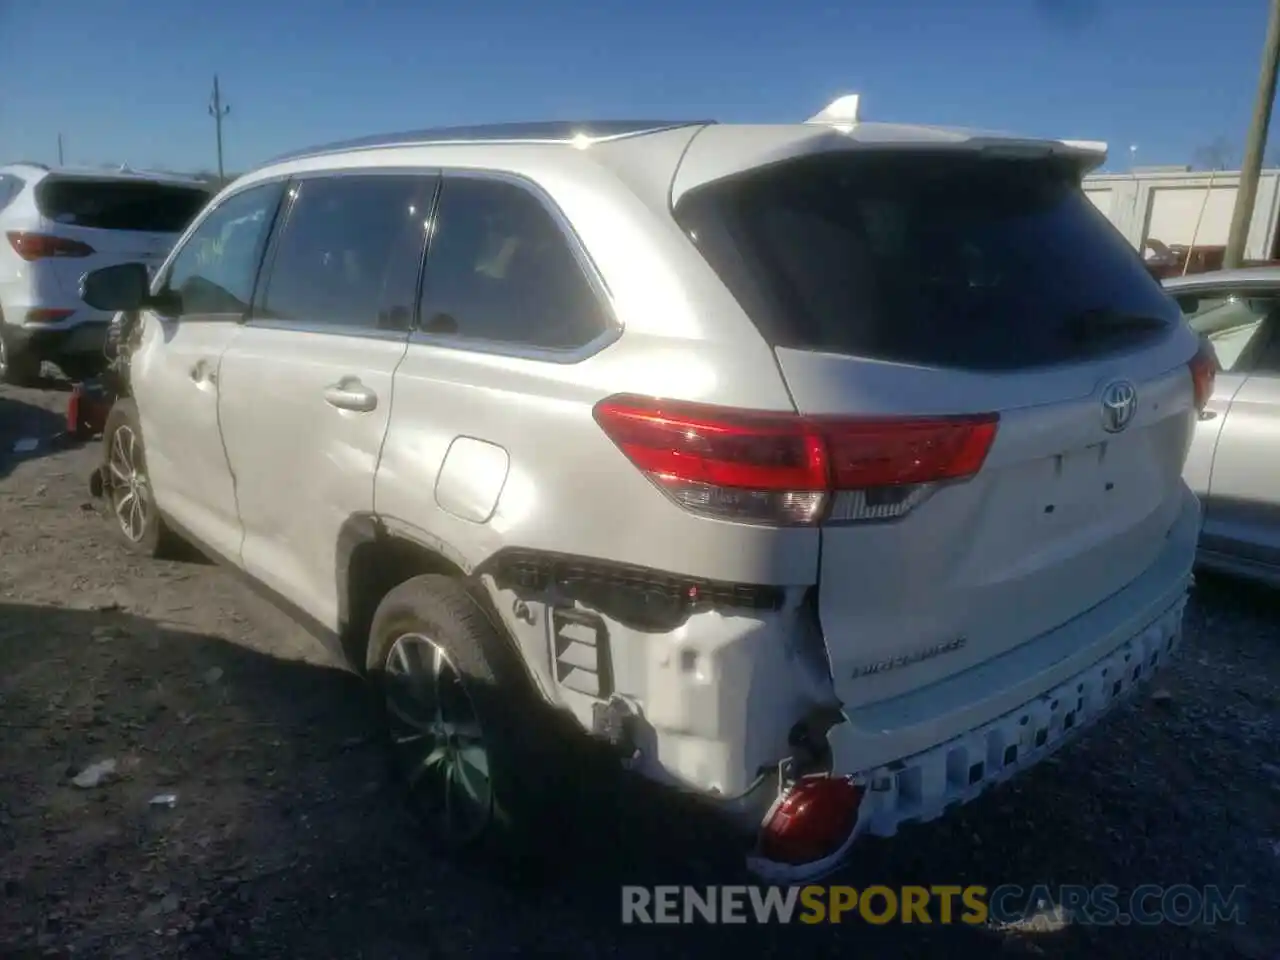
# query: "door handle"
350,395
1208,414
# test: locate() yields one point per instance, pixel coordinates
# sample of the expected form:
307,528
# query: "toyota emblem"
1119,404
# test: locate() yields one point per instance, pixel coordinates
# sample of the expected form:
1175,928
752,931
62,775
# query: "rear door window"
501,270
105,204
350,252
939,259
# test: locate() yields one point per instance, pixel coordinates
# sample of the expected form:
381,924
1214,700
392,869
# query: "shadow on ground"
284,840
28,431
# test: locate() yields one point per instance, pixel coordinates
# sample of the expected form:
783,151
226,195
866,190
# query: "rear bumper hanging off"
923,786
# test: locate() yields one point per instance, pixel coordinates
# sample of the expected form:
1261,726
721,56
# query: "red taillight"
811,822
47,315
38,246
1204,371
783,468
881,453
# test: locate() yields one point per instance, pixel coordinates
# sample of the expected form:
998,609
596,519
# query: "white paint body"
472,450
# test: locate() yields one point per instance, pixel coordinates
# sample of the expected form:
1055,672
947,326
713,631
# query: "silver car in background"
1234,464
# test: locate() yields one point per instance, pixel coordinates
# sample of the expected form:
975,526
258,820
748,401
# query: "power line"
218,110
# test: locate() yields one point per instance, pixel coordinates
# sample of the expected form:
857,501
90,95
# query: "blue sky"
129,81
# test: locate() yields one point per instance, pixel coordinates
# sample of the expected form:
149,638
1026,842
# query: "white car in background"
57,225
1233,460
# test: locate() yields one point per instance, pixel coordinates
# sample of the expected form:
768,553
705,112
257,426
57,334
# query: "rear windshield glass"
946,260
120,205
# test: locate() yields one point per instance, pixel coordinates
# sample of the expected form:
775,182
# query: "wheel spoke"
474,757
118,450
448,796
438,667
473,771
468,734
431,760
135,518
417,673
124,505
117,474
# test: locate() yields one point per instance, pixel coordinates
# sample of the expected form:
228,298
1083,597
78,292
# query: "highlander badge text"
906,659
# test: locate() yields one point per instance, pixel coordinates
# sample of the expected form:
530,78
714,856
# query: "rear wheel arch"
374,556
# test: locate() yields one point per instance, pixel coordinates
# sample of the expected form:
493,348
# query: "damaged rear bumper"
735,703
923,786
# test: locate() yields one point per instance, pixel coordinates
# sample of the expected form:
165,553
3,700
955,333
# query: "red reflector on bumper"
812,820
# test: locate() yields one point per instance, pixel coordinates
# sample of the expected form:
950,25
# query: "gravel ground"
284,842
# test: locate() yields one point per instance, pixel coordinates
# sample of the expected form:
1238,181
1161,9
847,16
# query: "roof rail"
555,131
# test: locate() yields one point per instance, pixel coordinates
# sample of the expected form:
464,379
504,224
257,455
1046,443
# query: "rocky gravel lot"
247,815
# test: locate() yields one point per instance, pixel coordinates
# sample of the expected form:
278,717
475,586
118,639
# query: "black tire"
124,459
526,745
17,366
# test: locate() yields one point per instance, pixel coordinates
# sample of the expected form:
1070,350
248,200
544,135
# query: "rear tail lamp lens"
791,470
40,246
1204,371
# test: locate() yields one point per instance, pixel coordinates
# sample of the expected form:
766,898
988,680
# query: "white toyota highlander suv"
55,225
830,472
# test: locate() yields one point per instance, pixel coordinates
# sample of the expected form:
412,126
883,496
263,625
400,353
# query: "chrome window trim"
334,329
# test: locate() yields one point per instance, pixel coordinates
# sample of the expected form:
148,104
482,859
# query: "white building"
1178,206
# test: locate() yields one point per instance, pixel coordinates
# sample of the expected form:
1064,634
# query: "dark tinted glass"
350,252
946,260
119,205
215,269
501,269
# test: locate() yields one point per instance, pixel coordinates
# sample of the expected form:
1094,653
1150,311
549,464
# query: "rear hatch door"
951,284
119,220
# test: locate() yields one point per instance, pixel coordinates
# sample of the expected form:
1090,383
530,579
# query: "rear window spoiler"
721,151
842,114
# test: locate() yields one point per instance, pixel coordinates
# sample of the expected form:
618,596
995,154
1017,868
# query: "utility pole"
59,149
1247,193
218,110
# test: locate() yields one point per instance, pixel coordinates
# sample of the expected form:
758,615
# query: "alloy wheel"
437,740
130,491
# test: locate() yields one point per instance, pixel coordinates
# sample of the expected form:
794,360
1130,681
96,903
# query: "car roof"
1240,277
715,150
